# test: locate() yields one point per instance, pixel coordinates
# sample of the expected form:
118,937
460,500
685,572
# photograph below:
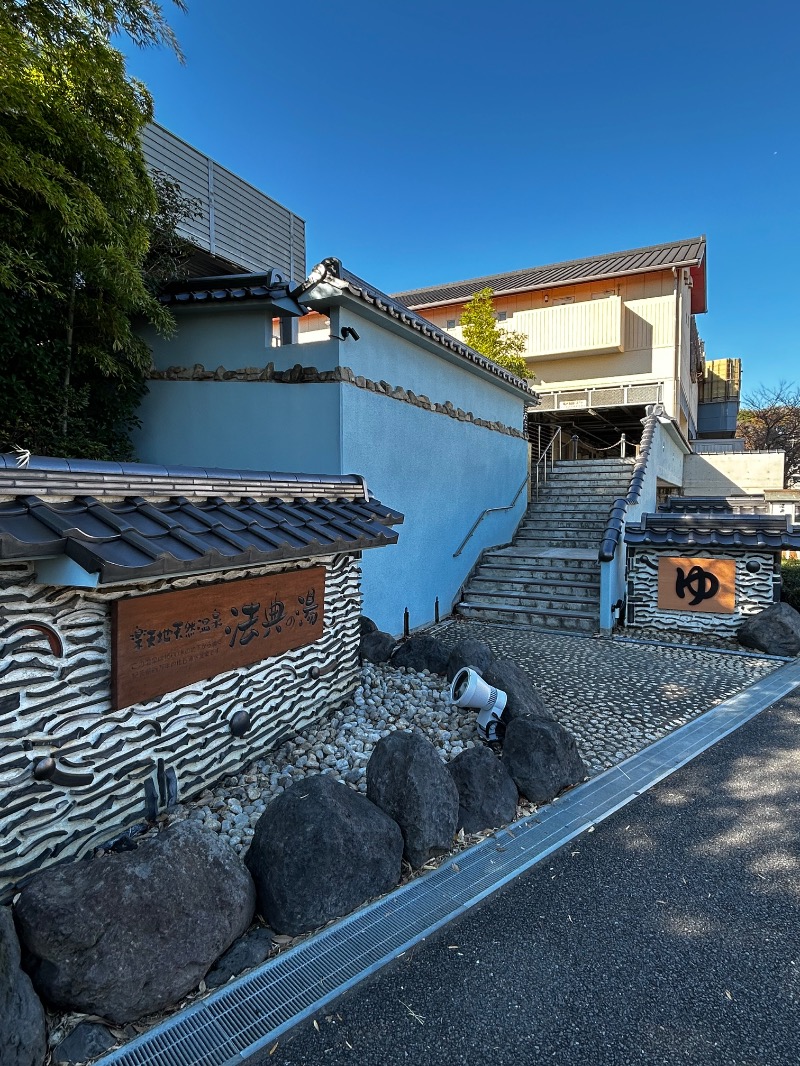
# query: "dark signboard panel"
166,640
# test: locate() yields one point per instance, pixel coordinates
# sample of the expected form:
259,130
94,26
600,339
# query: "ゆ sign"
697,585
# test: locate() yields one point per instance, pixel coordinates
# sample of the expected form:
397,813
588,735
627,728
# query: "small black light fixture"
348,331
240,723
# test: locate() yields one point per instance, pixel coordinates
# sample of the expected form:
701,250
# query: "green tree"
78,212
483,332
770,421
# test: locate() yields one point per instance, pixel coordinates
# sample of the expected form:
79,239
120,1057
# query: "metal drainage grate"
249,1013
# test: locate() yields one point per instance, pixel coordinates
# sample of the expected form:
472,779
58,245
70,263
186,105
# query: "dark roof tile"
139,538
331,270
714,530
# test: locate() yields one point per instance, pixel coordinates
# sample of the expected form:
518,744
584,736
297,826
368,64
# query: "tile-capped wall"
58,705
754,591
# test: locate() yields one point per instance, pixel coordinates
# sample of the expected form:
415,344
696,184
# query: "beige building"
605,335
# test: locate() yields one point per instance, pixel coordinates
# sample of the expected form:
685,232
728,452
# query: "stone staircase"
549,576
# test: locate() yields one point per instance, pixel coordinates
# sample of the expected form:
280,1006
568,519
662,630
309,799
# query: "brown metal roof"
689,253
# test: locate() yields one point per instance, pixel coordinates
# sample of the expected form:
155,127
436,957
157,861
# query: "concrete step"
595,486
579,507
596,473
586,622
548,574
521,557
592,493
616,463
558,525
535,590
561,540
563,601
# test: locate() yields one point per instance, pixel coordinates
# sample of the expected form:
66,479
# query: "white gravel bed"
389,699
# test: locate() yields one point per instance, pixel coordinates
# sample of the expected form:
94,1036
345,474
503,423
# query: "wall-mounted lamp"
348,331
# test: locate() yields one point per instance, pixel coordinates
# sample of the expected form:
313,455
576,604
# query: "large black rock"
469,652
319,851
775,631
23,1037
422,653
250,950
407,779
542,758
88,1040
487,797
376,647
366,625
131,933
524,700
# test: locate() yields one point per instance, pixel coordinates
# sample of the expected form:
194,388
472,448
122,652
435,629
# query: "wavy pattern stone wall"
124,762
754,592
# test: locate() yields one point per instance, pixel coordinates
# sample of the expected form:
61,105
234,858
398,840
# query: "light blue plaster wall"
382,354
228,336
441,474
247,425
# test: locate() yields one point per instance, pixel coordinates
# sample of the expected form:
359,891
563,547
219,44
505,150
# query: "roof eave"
697,267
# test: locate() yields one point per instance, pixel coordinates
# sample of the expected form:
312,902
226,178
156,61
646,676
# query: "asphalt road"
670,934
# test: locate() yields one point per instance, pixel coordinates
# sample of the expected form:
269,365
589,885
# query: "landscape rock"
542,758
524,700
130,933
366,625
487,796
249,950
23,1037
407,779
775,631
88,1040
377,647
422,653
319,851
473,653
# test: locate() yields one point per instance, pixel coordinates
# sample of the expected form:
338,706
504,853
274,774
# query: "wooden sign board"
166,640
707,585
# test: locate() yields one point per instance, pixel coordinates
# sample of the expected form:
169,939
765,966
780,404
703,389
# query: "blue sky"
429,142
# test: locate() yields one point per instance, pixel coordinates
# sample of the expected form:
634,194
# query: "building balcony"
587,326
599,396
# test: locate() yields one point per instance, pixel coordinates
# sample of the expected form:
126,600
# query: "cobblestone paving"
616,696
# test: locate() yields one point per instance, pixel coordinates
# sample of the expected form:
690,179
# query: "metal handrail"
542,460
489,510
619,508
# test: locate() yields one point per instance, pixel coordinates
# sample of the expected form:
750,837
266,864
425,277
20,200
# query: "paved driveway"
670,934
617,696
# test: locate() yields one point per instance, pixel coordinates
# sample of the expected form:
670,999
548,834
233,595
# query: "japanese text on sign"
170,639
707,585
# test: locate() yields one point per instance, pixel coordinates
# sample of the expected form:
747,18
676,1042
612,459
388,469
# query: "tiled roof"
330,277
269,287
691,531
690,253
704,504
144,535
48,476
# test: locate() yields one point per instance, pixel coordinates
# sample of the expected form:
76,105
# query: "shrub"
790,586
